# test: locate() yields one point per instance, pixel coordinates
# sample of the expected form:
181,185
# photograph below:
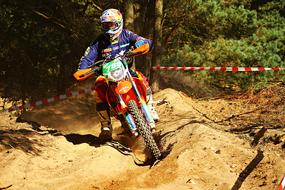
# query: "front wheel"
143,129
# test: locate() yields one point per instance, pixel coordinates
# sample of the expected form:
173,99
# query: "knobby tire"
143,129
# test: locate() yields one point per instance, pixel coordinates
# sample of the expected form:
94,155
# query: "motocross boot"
105,120
151,106
103,108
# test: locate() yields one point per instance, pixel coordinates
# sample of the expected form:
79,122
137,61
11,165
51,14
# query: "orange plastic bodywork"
82,74
129,95
123,87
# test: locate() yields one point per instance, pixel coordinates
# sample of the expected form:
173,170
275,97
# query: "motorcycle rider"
115,40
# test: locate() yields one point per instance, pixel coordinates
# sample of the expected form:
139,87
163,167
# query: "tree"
42,41
157,36
129,14
39,45
226,33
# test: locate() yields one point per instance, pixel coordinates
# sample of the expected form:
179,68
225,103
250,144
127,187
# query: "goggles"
109,25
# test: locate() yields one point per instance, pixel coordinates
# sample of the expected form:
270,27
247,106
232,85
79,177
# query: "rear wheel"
143,129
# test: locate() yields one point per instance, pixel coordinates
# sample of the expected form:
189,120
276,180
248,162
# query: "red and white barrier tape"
175,68
282,184
49,100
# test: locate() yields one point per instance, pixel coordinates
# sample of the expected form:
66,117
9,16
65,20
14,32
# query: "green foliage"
42,40
39,46
229,33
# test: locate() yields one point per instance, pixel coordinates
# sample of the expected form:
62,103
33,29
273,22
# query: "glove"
139,43
143,49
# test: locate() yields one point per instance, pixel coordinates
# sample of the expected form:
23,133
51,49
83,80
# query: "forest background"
42,41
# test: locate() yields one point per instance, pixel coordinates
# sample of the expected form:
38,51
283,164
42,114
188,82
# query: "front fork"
128,116
143,106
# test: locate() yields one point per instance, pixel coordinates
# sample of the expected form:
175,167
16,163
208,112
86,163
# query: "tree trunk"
144,13
157,39
129,19
129,14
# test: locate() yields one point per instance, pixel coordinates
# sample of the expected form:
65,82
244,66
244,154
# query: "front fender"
123,87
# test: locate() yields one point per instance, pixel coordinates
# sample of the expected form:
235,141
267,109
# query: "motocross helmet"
112,23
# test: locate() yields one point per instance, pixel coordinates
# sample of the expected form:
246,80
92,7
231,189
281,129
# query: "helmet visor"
109,25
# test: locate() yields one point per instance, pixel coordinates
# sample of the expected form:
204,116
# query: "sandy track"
203,155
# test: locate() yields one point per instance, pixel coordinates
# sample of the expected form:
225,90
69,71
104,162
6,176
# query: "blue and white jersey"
102,48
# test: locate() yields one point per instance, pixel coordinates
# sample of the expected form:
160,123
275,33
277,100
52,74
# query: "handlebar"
92,69
101,62
85,73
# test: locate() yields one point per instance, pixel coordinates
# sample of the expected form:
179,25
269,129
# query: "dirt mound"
58,149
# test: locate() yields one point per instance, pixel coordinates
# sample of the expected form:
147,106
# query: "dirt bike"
126,96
